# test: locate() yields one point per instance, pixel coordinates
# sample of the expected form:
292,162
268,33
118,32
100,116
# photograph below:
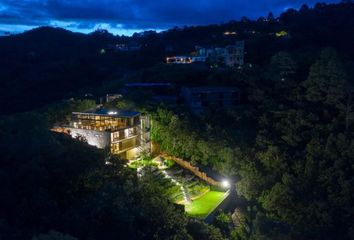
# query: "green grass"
141,163
201,207
169,163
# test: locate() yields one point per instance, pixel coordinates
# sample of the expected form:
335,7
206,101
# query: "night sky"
128,16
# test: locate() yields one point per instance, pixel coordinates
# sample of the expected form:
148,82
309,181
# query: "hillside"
48,64
278,131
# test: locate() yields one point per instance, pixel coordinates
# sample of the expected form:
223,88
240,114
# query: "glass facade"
124,145
124,131
102,122
124,134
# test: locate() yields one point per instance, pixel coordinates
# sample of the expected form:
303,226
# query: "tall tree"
282,67
327,80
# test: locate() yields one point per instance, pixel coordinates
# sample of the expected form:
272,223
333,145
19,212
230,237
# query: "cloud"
135,14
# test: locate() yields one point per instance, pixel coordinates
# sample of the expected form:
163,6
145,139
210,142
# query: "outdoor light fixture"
112,113
225,184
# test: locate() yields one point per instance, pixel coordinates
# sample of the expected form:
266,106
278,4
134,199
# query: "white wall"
94,138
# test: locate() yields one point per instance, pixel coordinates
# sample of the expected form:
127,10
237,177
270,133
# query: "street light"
225,184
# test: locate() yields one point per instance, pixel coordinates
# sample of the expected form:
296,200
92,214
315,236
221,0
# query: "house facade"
231,55
126,134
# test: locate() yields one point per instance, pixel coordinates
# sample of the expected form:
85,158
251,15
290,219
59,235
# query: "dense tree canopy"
288,146
299,171
55,187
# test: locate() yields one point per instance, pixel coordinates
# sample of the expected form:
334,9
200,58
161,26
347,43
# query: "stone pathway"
184,190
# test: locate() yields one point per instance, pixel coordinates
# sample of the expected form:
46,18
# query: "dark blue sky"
127,16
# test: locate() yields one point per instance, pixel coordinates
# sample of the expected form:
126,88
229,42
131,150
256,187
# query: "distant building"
200,98
232,55
227,33
124,47
126,134
112,97
179,60
196,59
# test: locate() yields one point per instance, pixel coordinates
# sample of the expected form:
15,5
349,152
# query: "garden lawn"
202,206
141,163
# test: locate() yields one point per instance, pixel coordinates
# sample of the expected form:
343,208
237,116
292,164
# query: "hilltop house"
231,55
126,134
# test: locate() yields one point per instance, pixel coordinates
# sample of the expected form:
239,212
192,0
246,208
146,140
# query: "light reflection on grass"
202,206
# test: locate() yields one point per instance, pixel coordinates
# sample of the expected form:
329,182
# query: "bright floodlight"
225,184
112,113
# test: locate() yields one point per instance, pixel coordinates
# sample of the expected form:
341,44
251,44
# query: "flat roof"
111,112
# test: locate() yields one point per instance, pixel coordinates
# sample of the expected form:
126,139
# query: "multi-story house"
126,134
232,55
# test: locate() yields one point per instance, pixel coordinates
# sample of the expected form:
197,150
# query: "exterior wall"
145,138
132,154
112,97
231,55
127,139
155,148
125,145
94,138
199,59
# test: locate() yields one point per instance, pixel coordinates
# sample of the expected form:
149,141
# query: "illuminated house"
200,98
126,134
179,60
232,55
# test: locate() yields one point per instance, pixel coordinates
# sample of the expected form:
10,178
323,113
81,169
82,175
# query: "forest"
296,174
288,147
